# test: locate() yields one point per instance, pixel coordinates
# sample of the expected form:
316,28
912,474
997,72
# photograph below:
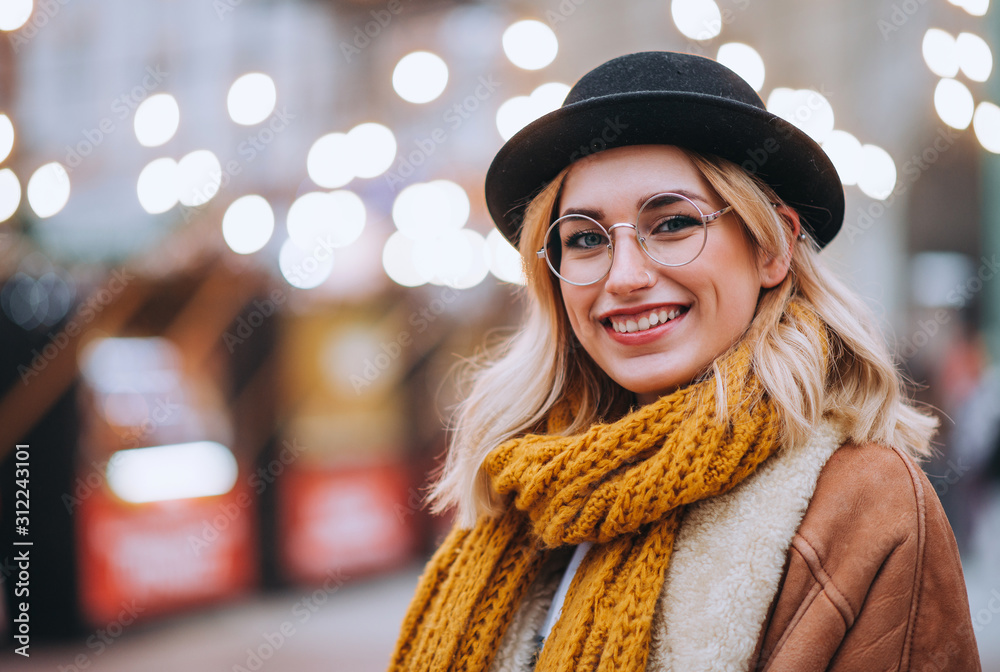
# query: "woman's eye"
675,223
585,239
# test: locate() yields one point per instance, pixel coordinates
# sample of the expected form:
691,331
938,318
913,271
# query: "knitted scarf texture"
622,485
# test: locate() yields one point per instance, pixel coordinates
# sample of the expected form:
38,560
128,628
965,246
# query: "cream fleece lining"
729,558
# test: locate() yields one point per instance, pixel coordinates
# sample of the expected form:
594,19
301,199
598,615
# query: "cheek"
577,302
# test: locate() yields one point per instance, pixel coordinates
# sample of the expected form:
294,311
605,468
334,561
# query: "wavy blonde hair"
515,386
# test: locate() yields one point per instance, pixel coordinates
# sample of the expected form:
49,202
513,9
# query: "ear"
774,269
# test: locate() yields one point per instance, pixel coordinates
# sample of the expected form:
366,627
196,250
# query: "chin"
645,379
642,388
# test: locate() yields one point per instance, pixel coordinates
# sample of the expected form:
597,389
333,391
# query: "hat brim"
765,145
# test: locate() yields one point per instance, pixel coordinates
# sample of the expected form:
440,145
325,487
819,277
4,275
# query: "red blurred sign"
348,520
163,556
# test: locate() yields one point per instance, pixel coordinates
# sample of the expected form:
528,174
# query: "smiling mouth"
629,324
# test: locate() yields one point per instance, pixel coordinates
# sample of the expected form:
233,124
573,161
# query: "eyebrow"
598,213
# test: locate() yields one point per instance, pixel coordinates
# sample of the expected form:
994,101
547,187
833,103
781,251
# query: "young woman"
696,453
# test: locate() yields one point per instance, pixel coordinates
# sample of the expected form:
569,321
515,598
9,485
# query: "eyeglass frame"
705,220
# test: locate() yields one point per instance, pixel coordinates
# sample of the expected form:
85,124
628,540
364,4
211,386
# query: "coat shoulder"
873,573
869,494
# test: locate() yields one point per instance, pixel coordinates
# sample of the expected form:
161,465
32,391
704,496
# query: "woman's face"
713,298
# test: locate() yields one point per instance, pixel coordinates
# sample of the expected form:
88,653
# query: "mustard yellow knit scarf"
622,485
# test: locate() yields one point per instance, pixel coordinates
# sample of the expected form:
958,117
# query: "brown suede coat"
873,580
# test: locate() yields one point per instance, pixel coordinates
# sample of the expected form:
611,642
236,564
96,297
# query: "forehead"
625,171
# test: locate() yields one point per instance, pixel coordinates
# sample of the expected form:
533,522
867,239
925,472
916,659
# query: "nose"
629,263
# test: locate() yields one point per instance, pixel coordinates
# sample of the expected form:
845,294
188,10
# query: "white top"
557,600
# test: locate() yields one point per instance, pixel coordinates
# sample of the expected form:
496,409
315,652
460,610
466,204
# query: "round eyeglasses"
670,228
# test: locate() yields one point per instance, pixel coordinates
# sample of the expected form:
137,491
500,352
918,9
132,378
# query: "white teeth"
644,322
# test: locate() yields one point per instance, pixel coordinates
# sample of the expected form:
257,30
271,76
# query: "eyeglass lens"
671,230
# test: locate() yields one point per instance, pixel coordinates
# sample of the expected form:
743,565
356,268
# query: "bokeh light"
877,173
697,19
427,210
414,212
10,194
845,151
310,218
48,189
199,176
954,104
248,224
326,219
453,206
251,98
420,77
160,473
397,260
519,111
479,261
6,136
348,213
371,148
367,150
14,13
530,44
444,259
156,120
809,110
513,115
157,187
329,161
744,61
304,268
940,53
973,7
974,56
986,123
505,261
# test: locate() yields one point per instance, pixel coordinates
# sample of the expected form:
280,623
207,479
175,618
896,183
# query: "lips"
624,323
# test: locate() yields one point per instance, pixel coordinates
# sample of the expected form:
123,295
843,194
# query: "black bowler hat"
666,98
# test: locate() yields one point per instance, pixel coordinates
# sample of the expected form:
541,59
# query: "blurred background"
243,243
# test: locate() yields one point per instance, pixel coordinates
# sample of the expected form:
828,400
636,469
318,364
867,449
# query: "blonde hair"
515,387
